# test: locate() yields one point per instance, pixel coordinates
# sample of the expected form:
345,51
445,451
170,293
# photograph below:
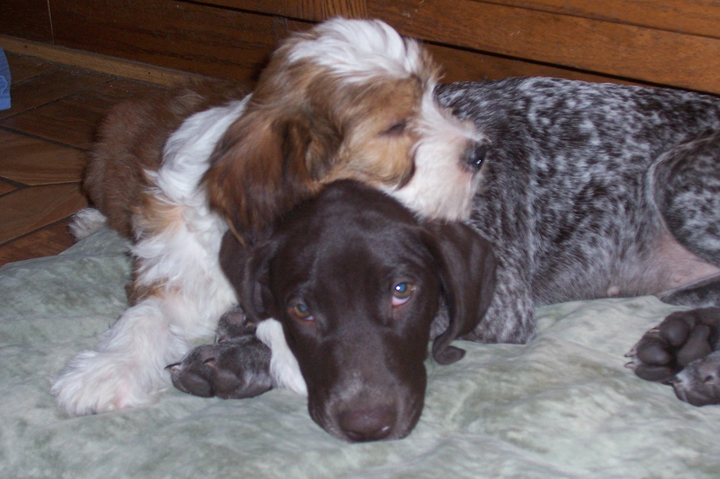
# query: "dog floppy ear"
247,271
467,271
259,169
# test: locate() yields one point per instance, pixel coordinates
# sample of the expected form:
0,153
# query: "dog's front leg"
128,367
246,360
237,366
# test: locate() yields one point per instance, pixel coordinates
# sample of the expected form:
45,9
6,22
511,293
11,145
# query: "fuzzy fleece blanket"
562,406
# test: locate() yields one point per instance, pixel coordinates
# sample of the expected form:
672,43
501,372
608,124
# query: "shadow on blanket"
561,406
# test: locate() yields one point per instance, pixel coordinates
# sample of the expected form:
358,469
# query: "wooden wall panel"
464,65
626,51
99,63
314,10
184,36
26,18
699,17
660,42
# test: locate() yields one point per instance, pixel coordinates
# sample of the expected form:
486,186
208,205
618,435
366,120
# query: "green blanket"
561,406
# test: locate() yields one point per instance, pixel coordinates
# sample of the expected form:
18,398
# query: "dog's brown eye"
300,311
401,293
397,129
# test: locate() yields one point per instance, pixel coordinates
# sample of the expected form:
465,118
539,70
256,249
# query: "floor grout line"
38,137
57,100
28,245
25,235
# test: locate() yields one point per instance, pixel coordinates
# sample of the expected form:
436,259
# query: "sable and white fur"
348,99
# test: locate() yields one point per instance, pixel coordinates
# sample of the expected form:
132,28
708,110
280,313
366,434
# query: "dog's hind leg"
683,351
685,186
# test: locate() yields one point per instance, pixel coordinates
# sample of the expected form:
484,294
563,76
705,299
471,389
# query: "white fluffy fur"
442,187
284,368
127,369
358,50
85,222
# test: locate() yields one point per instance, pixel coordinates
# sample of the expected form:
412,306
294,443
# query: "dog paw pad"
234,368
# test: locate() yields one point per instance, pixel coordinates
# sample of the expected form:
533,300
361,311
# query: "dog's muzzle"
368,424
475,154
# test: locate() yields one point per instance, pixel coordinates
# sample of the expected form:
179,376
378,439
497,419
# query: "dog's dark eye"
300,310
397,129
401,293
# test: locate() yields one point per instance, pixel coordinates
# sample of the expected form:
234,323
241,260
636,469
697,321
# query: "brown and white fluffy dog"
348,99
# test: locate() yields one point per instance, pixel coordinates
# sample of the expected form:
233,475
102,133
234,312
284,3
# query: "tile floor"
43,145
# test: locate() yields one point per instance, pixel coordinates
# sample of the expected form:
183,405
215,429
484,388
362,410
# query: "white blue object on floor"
4,82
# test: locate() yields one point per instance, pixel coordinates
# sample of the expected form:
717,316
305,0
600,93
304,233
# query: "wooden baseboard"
92,61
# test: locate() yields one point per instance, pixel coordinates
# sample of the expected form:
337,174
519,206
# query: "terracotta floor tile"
73,120
62,105
25,210
22,68
44,89
47,241
6,187
31,161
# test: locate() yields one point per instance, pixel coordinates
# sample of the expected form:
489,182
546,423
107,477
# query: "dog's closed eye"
396,129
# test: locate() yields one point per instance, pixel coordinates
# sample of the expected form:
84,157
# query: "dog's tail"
85,222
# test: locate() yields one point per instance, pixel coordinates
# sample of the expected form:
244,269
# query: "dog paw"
679,340
233,368
699,382
233,324
96,382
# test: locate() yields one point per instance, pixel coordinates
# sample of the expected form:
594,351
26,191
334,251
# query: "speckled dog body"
596,190
593,190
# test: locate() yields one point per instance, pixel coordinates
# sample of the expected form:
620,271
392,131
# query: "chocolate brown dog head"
356,282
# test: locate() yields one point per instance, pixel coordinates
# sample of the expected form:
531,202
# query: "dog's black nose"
372,424
476,153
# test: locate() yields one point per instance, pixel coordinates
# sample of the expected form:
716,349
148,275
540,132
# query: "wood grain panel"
91,61
47,241
464,65
312,10
6,187
31,161
26,18
184,36
25,210
50,87
698,17
609,48
23,68
73,120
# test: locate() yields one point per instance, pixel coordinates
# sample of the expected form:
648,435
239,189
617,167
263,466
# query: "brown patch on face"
378,134
258,169
305,126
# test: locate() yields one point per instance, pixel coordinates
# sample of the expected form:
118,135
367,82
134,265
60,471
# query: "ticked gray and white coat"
598,190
